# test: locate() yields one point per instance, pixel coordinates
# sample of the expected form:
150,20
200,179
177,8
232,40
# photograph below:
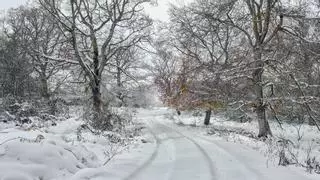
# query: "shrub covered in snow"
33,113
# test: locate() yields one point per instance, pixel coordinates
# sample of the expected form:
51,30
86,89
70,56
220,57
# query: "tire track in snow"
150,159
222,150
258,174
250,170
200,148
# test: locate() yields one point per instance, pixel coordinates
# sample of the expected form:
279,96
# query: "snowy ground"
54,152
166,151
185,152
301,141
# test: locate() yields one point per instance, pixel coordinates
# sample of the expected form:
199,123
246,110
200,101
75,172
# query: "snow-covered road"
176,157
183,154
168,152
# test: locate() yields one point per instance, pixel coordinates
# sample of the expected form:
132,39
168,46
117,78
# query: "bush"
23,112
286,152
59,107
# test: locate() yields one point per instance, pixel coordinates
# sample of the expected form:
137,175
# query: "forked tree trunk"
264,128
96,84
207,117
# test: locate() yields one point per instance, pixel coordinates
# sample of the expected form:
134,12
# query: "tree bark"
44,82
207,117
44,88
119,86
264,128
97,101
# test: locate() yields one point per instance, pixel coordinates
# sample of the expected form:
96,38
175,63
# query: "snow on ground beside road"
42,154
229,160
54,152
302,141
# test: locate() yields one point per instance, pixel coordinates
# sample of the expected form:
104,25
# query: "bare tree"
165,70
15,69
97,31
237,44
40,37
259,22
125,62
205,44
296,64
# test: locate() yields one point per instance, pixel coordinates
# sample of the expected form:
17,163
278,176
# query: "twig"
71,153
309,110
113,155
275,115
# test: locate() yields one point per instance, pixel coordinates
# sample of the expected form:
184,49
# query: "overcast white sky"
157,12
160,12
6,4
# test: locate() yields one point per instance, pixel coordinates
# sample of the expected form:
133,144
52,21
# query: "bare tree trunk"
96,78
97,101
264,128
178,112
96,91
93,47
207,117
44,82
119,86
44,88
